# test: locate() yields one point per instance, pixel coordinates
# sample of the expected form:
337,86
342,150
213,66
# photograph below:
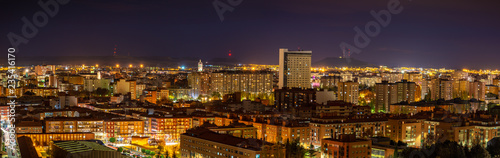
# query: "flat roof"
81,146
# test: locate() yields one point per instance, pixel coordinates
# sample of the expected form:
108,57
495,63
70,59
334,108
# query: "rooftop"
81,146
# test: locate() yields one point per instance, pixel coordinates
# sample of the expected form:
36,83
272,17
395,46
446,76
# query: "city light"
311,81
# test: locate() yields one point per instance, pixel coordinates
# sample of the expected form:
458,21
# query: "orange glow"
130,65
142,66
96,65
117,65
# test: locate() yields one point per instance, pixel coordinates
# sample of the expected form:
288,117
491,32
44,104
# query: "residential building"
294,68
245,81
347,146
348,92
287,98
205,143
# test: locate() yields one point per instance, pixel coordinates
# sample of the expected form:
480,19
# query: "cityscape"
91,79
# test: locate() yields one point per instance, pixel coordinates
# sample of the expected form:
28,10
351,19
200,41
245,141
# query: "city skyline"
421,35
250,79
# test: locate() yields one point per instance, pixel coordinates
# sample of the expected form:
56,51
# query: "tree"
29,93
477,151
396,154
120,149
143,150
494,147
112,139
216,95
294,149
160,148
174,151
311,152
491,95
101,91
447,149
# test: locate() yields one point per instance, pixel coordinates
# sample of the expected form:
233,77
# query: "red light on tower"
229,53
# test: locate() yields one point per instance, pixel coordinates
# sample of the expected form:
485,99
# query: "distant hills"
341,62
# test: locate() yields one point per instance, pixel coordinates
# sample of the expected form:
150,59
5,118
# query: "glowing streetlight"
117,65
142,66
96,65
130,65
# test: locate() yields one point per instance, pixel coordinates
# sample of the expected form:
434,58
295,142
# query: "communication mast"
114,52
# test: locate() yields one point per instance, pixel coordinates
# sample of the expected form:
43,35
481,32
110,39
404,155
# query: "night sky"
427,33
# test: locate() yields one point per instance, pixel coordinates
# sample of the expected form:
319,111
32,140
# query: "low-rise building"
202,142
346,146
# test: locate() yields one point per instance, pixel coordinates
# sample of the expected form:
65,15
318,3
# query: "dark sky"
427,33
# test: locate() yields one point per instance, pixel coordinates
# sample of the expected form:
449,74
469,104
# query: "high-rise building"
125,86
328,82
369,81
441,89
199,82
294,68
392,93
348,91
391,76
200,66
461,89
385,95
253,82
287,98
413,77
477,90
405,91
